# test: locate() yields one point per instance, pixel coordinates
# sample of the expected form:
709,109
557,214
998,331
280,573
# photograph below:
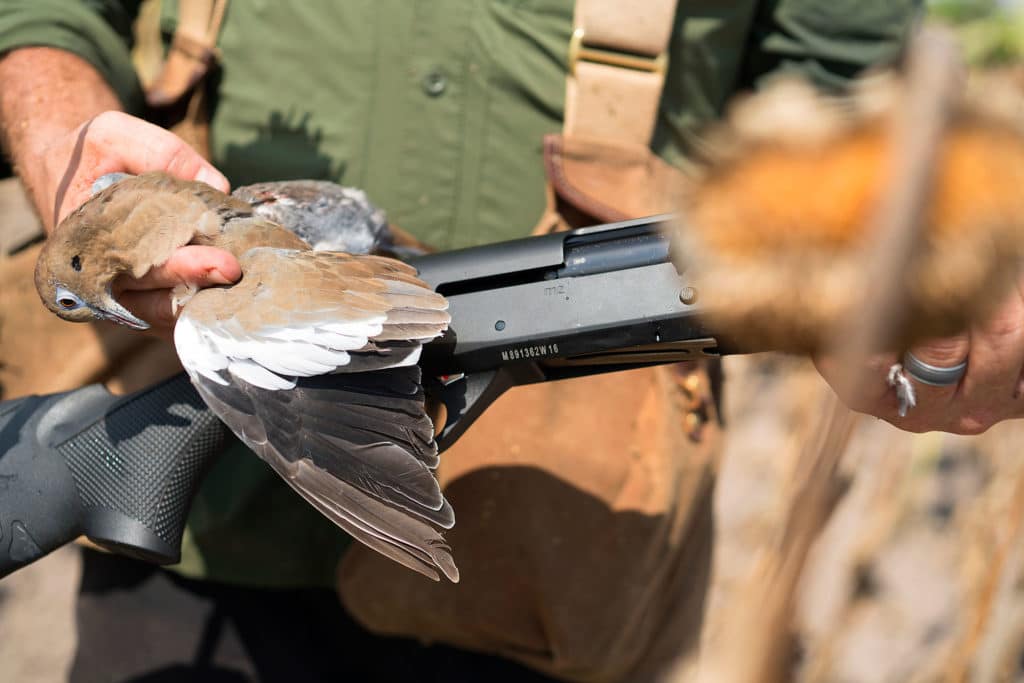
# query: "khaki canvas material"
606,181
583,531
601,168
178,97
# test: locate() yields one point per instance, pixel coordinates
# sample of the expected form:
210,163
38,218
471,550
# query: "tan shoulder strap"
192,52
618,57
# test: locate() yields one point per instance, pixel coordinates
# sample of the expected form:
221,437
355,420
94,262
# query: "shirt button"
435,82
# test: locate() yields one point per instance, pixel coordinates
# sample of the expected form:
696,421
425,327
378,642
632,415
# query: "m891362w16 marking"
534,351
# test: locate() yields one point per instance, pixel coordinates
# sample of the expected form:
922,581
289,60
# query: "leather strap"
617,64
192,52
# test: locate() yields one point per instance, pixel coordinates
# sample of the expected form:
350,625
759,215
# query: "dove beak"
115,312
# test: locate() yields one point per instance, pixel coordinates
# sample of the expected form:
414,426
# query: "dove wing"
310,360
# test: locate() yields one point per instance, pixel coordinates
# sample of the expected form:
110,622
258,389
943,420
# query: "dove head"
74,277
132,224
76,284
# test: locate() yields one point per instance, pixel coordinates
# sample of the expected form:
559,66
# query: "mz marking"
556,290
525,352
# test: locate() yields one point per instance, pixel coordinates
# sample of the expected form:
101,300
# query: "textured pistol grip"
120,470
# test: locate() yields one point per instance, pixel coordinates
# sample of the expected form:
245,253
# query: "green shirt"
437,108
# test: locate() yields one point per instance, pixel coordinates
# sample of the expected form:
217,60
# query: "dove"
310,358
776,222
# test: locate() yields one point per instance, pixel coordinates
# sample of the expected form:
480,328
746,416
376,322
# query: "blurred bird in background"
778,223
310,358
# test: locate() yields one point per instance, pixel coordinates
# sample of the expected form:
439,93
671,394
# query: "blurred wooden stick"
990,650
755,643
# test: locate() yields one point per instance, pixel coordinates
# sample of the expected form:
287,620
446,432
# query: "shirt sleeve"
98,31
827,41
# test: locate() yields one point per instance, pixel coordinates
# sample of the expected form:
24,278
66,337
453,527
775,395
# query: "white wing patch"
259,376
198,355
270,359
298,314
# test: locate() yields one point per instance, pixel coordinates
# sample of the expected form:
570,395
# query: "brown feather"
775,226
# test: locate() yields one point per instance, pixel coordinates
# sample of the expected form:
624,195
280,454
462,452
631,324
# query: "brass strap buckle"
579,51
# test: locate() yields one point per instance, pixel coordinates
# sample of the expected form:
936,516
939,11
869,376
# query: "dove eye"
67,300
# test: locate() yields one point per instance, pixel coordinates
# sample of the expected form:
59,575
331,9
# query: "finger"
874,395
115,142
141,146
192,264
153,306
933,402
990,387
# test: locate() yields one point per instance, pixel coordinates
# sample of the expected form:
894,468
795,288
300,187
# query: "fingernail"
217,278
213,178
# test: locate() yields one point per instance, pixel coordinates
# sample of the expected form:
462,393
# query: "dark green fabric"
456,167
94,30
437,108
721,48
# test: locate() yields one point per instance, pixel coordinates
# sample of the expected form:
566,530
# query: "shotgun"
123,470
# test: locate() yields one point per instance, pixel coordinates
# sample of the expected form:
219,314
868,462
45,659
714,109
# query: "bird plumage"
776,223
309,358
326,215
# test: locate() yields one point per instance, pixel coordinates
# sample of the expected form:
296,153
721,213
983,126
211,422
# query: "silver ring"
926,373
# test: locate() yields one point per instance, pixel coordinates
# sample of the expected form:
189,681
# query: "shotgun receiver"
123,470
563,305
